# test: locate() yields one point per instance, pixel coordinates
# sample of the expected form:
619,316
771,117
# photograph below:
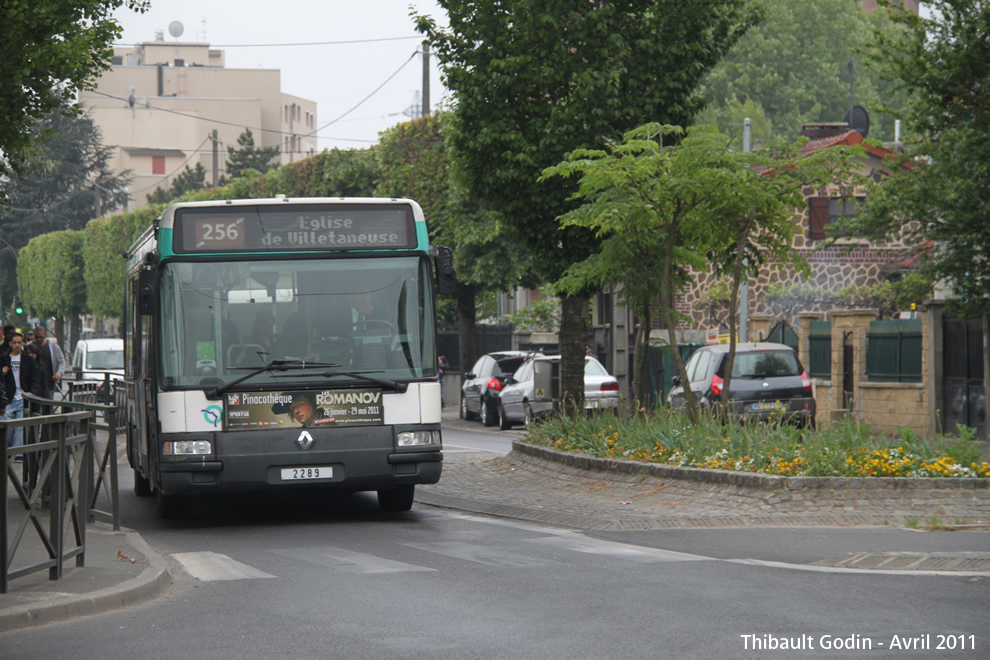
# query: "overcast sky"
337,76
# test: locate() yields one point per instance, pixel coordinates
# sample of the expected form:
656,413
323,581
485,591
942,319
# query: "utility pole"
744,287
852,94
216,159
425,112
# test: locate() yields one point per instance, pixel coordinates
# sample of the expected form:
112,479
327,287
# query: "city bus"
283,343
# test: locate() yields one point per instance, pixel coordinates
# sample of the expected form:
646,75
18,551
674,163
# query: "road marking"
212,567
616,550
861,571
483,555
349,561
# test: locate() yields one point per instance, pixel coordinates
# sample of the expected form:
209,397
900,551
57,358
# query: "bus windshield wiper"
393,385
274,365
286,365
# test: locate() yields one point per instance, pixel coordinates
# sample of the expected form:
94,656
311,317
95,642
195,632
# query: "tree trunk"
573,343
60,332
739,271
75,334
641,354
669,322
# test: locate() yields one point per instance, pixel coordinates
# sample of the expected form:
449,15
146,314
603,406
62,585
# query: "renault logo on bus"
305,440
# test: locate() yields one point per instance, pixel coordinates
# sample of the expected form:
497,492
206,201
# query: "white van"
95,357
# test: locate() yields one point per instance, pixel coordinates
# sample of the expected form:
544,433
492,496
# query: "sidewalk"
120,570
515,486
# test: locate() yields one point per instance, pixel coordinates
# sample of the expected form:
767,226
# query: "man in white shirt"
20,374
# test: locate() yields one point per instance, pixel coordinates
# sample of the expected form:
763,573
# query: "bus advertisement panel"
253,410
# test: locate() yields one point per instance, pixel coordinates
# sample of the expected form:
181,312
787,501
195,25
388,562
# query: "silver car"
531,391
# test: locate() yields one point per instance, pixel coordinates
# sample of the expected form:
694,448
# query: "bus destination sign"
301,227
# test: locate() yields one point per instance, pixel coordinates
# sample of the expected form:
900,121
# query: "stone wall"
889,406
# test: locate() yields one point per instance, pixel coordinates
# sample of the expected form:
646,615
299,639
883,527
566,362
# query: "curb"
766,482
148,585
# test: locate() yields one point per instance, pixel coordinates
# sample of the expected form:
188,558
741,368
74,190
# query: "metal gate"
783,333
964,395
848,365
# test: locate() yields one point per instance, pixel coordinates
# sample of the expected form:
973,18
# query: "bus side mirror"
147,302
446,277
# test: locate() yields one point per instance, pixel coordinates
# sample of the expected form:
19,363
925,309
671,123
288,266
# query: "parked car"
523,399
768,382
93,358
482,384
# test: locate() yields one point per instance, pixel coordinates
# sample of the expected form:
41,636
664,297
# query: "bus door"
141,416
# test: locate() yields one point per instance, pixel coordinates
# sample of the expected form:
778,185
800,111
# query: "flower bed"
843,449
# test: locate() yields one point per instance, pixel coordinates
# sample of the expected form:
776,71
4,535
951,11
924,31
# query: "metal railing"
59,477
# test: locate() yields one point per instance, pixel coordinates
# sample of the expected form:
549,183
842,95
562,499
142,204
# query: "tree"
105,240
533,80
686,199
414,162
793,68
248,157
185,181
49,51
334,173
69,183
50,275
943,63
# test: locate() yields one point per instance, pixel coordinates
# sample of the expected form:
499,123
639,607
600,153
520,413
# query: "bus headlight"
418,438
187,448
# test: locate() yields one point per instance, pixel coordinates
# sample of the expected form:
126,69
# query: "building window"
823,211
158,164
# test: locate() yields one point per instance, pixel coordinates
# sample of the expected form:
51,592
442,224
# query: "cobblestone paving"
528,488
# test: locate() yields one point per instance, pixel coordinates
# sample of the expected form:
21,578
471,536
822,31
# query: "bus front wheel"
395,499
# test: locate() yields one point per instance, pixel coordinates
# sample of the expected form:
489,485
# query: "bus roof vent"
281,197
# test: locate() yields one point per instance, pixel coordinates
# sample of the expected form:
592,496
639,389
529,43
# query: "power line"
359,103
282,45
185,114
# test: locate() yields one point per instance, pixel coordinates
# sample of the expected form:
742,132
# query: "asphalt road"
311,576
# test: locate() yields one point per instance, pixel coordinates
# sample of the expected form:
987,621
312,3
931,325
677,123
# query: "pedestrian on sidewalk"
20,375
442,368
51,361
8,331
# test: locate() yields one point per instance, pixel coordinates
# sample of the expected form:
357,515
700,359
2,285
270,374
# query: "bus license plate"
313,472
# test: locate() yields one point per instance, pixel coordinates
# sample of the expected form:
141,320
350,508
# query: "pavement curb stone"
150,583
747,479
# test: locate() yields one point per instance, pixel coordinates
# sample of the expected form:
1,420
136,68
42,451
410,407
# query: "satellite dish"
175,29
860,120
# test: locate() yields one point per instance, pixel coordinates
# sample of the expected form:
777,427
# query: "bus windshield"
222,320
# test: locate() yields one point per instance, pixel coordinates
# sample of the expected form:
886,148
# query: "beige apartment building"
161,101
